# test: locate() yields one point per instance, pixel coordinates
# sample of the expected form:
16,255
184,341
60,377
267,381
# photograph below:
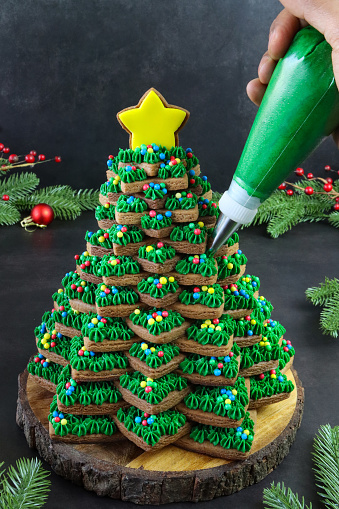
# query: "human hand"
321,14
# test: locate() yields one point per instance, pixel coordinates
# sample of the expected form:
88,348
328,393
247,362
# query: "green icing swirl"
151,193
98,328
270,385
286,352
50,372
208,208
152,391
89,264
230,265
236,297
81,290
130,234
158,286
181,201
274,330
54,342
93,239
228,438
105,212
188,233
69,318
118,266
154,327
156,254
250,283
111,186
177,152
154,355
175,171
206,266
207,333
95,362
130,204
117,295
205,366
165,423
154,223
124,155
204,297
60,298
80,425
223,401
251,327
260,352
127,176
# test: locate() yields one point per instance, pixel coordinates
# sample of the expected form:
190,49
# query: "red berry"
29,158
337,198
13,158
2,146
299,171
76,257
282,186
328,188
328,167
41,157
5,197
329,180
309,190
57,159
33,153
336,206
262,376
310,176
289,192
6,150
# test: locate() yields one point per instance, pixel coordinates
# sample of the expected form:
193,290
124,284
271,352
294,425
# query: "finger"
266,68
283,29
255,91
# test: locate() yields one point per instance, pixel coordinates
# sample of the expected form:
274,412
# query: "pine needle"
19,185
334,219
88,199
326,459
25,487
319,295
8,214
329,317
279,497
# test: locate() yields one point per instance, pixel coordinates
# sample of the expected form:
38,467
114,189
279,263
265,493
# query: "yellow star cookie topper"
153,120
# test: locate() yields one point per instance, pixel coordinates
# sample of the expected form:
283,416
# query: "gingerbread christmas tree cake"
151,338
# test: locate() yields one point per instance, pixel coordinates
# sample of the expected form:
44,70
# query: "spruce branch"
280,497
88,198
24,487
319,295
329,317
326,459
9,214
334,219
19,185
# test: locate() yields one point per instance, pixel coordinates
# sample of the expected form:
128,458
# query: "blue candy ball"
156,281
63,314
217,372
89,235
143,151
61,416
159,217
188,150
150,420
196,295
157,187
227,359
68,392
254,283
204,178
164,190
114,291
236,293
168,213
162,156
137,420
147,351
280,378
55,413
191,173
249,333
244,436
162,165
223,391
40,356
239,429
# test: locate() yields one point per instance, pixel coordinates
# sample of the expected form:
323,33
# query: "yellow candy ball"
47,360
101,239
265,338
253,322
178,195
211,290
230,265
46,346
151,321
149,379
201,224
234,392
265,324
115,182
54,331
149,248
218,328
107,205
75,311
95,321
152,349
117,177
273,376
247,279
83,283
43,341
203,326
103,287
246,431
208,322
114,262
120,234
60,290
47,336
228,401
204,288
150,150
137,311
233,288
163,280
144,346
262,298
86,253
158,318
171,279
143,384
63,421
177,160
266,343
262,343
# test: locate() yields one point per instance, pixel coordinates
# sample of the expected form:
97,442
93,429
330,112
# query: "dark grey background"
67,67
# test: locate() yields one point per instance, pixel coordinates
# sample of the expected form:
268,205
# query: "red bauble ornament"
5,197
42,214
289,192
299,171
57,159
282,186
13,158
310,176
309,190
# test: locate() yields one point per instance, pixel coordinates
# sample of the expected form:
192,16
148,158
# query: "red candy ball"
197,231
62,308
107,291
195,260
262,376
204,206
36,359
189,155
87,263
231,354
152,213
159,285
165,314
220,365
124,229
73,286
81,353
80,289
285,349
196,290
106,235
309,190
214,205
146,414
144,422
247,317
41,157
192,181
56,419
76,257
68,385
53,344
110,157
272,372
154,315
134,168
82,266
118,261
160,244
145,187
160,353
216,321
189,195
148,389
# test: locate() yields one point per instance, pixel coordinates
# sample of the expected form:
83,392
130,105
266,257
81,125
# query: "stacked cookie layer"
151,338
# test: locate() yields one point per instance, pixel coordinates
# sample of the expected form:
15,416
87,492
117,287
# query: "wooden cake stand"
123,471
